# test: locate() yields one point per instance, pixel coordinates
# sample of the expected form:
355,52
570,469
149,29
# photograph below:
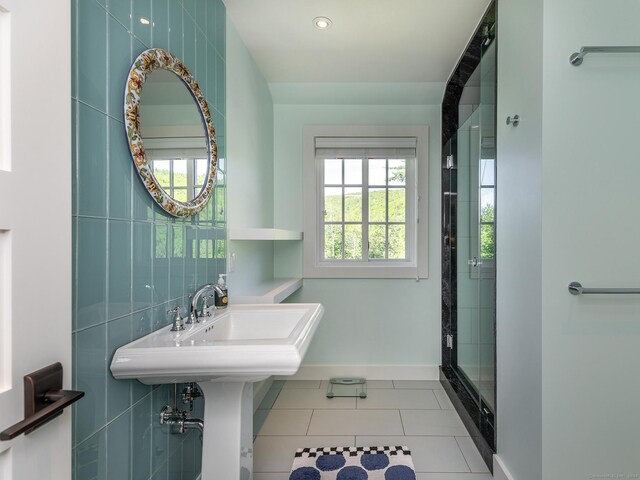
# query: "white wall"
568,387
591,233
519,240
250,163
367,322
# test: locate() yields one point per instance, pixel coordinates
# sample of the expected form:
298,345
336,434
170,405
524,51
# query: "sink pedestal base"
227,445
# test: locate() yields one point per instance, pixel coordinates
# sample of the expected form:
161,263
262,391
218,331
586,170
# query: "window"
487,208
364,199
182,177
180,164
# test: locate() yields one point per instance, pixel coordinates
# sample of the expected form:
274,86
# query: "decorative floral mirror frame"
148,61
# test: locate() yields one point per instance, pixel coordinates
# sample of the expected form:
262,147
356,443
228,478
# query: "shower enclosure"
469,231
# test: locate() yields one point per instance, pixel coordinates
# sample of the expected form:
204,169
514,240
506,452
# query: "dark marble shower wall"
481,431
465,68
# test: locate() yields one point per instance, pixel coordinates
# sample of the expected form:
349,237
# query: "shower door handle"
474,262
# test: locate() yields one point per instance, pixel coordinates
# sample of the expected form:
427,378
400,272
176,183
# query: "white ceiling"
370,40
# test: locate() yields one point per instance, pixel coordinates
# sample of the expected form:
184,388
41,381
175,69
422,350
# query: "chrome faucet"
194,315
178,321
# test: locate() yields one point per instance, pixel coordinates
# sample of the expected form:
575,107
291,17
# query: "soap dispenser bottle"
222,299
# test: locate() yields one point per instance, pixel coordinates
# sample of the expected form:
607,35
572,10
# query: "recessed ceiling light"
322,23
144,21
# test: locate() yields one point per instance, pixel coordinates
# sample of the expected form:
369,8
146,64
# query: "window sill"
380,272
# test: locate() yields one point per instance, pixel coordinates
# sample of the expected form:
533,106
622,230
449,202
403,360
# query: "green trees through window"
375,211
487,232
377,232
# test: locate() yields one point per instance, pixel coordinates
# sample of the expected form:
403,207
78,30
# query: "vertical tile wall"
132,262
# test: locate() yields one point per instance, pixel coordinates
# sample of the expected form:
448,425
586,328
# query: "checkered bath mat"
353,463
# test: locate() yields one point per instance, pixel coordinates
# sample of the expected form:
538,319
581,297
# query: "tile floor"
417,414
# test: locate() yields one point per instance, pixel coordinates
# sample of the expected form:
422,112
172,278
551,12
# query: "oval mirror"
170,132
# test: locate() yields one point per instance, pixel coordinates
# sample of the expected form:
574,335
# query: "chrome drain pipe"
178,420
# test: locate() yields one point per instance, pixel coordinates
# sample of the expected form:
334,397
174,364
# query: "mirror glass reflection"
174,135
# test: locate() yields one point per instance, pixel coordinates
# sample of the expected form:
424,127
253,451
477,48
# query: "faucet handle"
206,308
178,321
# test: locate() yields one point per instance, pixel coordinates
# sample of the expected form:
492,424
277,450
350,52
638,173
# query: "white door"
35,225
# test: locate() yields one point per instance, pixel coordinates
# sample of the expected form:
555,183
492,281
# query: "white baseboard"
370,372
500,472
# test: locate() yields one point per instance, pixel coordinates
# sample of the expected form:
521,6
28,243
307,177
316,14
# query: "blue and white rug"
353,463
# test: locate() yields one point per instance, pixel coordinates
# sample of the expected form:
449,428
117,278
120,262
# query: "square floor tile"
370,384
301,384
271,476
311,398
399,399
286,422
275,454
443,400
446,476
429,454
356,422
432,422
422,384
472,455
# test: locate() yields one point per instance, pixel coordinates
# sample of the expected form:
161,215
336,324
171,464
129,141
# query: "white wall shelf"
271,291
263,234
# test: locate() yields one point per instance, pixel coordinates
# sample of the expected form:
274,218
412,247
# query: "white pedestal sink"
225,354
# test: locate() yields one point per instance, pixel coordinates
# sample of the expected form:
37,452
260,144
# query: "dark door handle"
44,400
58,401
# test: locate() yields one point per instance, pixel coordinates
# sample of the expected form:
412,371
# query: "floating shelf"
272,291
263,234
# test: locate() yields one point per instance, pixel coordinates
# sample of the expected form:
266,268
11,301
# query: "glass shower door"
475,252
469,231
467,252
486,282
487,229
475,239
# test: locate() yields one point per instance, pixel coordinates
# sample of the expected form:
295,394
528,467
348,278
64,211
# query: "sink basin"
225,354
243,342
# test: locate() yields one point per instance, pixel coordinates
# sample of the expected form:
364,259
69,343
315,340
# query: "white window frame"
417,264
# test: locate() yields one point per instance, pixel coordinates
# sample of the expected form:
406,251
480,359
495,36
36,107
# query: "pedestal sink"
225,354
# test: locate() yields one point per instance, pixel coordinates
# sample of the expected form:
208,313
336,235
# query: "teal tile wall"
132,262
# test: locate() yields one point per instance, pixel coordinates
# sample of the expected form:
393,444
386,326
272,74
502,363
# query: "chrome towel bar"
576,58
576,288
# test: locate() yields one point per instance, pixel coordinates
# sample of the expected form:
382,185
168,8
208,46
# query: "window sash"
312,267
410,187
191,176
